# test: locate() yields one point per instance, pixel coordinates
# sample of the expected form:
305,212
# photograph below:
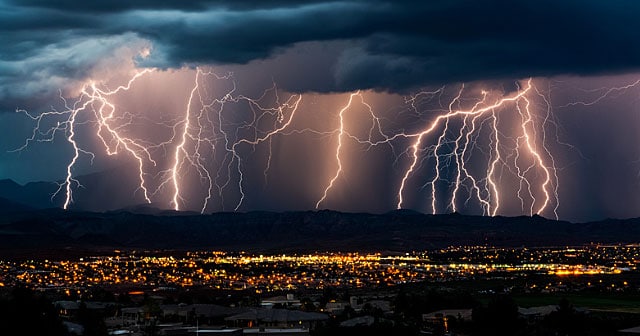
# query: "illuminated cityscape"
266,273
163,292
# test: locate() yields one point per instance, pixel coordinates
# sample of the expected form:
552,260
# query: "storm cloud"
574,49
382,45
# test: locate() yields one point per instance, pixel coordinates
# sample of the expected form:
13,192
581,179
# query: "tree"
92,321
500,317
566,320
25,309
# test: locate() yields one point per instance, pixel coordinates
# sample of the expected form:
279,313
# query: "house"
278,332
382,305
536,313
438,321
131,316
281,302
278,318
461,314
336,307
71,308
205,313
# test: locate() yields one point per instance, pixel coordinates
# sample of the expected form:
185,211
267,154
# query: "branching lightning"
485,189
180,152
475,152
95,101
338,149
194,135
194,146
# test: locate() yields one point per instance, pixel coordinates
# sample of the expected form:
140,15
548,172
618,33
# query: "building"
204,313
71,308
438,321
537,313
276,331
281,302
336,307
276,318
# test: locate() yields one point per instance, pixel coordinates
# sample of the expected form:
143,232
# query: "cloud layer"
385,45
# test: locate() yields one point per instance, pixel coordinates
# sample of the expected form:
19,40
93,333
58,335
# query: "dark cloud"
387,45
110,6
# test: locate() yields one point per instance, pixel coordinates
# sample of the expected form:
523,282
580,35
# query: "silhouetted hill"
102,191
106,190
142,209
34,194
297,231
8,206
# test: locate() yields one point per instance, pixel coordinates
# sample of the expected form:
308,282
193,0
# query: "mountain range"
26,225
44,195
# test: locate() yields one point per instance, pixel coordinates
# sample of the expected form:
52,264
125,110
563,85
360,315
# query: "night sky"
238,105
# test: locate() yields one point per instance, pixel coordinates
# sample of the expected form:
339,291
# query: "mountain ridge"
301,231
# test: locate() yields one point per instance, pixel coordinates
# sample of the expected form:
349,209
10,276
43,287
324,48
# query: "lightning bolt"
92,100
189,134
180,152
338,149
105,115
527,162
76,154
292,104
487,193
495,144
376,129
193,134
604,93
213,139
528,136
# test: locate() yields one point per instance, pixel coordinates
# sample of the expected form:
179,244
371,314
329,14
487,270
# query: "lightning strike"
202,136
338,149
92,100
527,125
343,133
208,138
485,190
76,153
292,104
134,148
491,181
180,149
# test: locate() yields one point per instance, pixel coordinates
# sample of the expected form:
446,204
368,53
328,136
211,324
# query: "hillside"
295,231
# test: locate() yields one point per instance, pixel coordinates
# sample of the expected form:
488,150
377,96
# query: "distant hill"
34,194
295,231
9,206
101,191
